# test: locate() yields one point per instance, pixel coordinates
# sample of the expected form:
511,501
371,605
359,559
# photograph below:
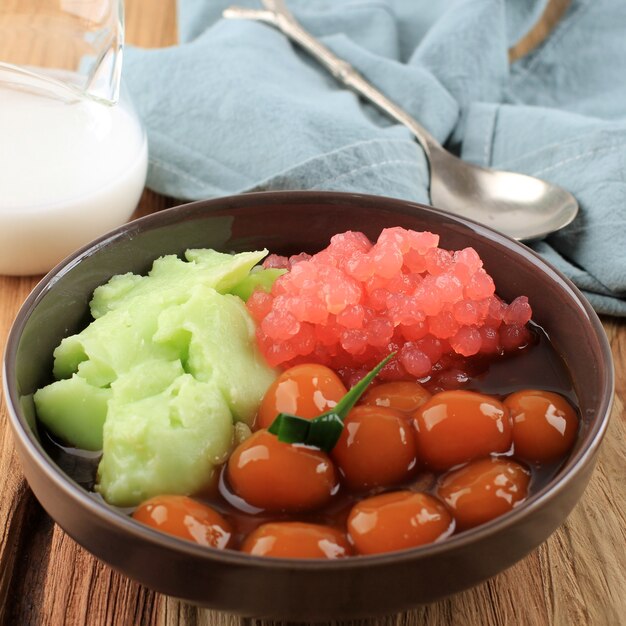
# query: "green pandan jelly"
157,380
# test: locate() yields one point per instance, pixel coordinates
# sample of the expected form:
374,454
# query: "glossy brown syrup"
536,366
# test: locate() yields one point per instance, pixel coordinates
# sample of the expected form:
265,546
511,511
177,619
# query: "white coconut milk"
70,170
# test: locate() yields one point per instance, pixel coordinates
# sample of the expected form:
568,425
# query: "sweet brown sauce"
535,366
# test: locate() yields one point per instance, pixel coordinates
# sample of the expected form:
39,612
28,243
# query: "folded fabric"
236,107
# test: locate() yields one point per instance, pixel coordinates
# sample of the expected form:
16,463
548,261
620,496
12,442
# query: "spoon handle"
279,16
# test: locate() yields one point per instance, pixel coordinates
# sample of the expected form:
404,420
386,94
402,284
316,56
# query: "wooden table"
577,577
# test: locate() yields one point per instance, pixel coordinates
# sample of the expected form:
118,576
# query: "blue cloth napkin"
235,107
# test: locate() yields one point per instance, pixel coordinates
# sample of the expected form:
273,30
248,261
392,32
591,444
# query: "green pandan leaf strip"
323,431
290,428
344,406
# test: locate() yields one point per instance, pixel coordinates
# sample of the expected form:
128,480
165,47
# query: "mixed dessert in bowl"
392,392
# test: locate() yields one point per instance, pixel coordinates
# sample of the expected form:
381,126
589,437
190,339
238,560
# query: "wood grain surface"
577,577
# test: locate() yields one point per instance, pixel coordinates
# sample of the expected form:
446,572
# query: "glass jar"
73,153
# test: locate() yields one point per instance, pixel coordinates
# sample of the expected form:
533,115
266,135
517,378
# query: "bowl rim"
110,515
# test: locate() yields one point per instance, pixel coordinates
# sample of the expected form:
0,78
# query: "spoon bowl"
522,207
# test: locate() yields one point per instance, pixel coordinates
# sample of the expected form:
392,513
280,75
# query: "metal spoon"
520,206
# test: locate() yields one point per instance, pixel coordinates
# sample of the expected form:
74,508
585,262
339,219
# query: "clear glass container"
75,44
73,153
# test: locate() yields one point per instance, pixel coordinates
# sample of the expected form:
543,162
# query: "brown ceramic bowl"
300,589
